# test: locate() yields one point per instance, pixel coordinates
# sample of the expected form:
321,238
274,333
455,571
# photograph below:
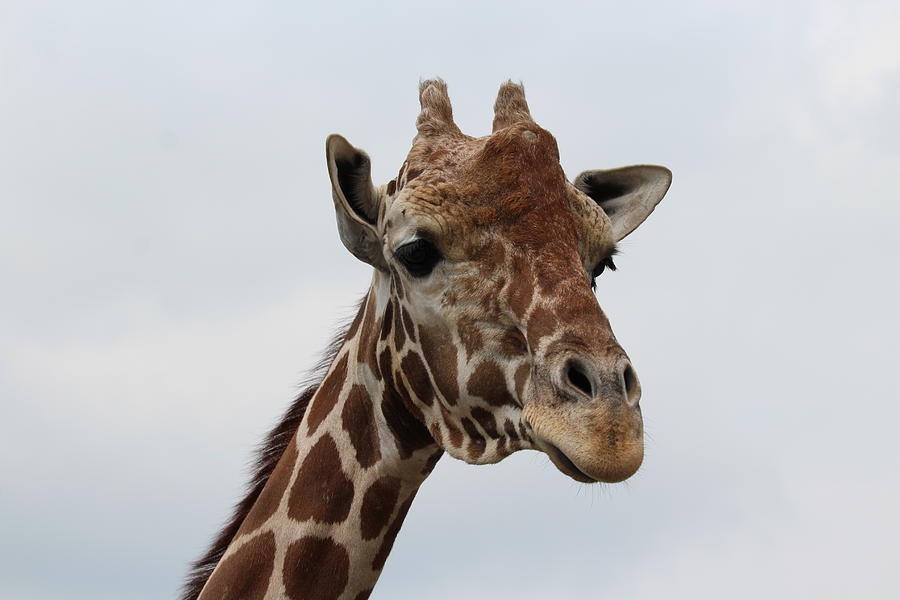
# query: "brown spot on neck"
315,568
327,396
268,501
410,434
358,420
321,491
378,506
391,534
245,574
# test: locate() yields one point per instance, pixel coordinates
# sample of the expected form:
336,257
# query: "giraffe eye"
606,263
419,257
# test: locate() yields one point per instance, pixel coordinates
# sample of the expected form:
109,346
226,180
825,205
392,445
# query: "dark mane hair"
267,455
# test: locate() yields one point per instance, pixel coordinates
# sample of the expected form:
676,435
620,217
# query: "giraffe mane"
267,454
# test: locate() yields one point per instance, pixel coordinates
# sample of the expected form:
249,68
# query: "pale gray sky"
170,268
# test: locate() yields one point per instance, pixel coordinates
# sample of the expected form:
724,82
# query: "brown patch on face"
456,436
358,420
432,461
486,420
440,356
408,325
477,442
435,430
510,430
268,501
321,478
547,277
489,383
391,534
513,343
484,216
315,568
412,174
245,574
541,323
437,155
399,336
378,506
523,431
327,396
409,433
417,376
404,392
522,374
470,336
398,284
491,255
387,321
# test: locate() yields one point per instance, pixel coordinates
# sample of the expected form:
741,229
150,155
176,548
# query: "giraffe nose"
582,379
631,384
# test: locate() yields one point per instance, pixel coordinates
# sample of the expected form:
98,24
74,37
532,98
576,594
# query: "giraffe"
480,335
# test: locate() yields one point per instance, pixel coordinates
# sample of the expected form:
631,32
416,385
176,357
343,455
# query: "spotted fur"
501,346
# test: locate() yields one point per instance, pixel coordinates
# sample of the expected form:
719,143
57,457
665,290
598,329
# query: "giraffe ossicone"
480,335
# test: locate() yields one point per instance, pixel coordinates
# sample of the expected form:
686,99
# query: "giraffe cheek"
441,357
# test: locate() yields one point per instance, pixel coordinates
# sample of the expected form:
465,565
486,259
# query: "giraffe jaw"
603,472
588,447
565,464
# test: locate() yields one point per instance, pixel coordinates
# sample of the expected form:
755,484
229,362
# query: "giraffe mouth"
565,464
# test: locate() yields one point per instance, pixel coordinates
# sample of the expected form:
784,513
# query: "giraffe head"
485,257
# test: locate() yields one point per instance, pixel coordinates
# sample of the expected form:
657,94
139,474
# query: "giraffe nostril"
632,385
579,379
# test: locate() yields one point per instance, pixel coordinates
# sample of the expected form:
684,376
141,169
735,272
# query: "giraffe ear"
627,195
356,201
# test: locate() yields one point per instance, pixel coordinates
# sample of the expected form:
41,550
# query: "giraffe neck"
327,517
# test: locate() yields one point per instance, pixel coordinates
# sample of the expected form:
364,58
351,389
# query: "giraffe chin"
589,456
565,464
600,471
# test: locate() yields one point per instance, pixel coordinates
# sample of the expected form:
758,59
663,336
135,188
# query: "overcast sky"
170,268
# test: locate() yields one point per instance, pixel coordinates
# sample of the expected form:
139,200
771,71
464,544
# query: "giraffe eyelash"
606,263
418,257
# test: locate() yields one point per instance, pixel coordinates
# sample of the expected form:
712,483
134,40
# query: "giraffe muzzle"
587,417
